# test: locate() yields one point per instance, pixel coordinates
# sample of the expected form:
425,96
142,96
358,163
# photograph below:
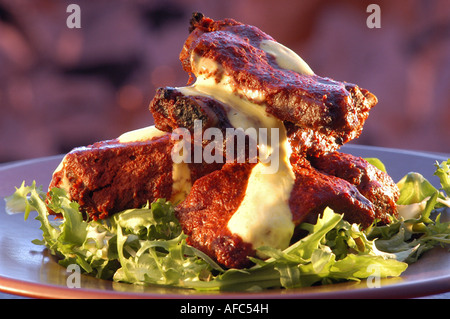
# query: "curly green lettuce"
147,246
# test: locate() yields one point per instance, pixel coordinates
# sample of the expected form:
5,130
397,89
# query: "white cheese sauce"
285,57
141,135
264,217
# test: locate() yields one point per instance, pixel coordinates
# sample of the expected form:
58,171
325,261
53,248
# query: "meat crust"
372,183
315,190
107,177
205,213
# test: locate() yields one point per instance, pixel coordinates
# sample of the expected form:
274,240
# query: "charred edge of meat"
377,186
172,109
315,190
311,143
363,99
195,19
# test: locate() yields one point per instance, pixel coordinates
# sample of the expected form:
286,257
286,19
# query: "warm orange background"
61,87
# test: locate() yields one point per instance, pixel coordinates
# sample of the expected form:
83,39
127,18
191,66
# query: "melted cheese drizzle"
285,57
264,217
141,135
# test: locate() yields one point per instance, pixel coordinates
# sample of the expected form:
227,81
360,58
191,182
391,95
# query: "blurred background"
61,87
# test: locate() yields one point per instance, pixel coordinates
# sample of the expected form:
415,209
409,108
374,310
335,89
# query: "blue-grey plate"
29,270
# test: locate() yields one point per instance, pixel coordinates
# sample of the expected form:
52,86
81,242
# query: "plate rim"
434,285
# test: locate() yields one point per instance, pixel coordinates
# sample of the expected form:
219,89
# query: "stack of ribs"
319,115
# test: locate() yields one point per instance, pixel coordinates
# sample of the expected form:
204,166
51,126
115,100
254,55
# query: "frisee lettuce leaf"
147,246
415,231
443,172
